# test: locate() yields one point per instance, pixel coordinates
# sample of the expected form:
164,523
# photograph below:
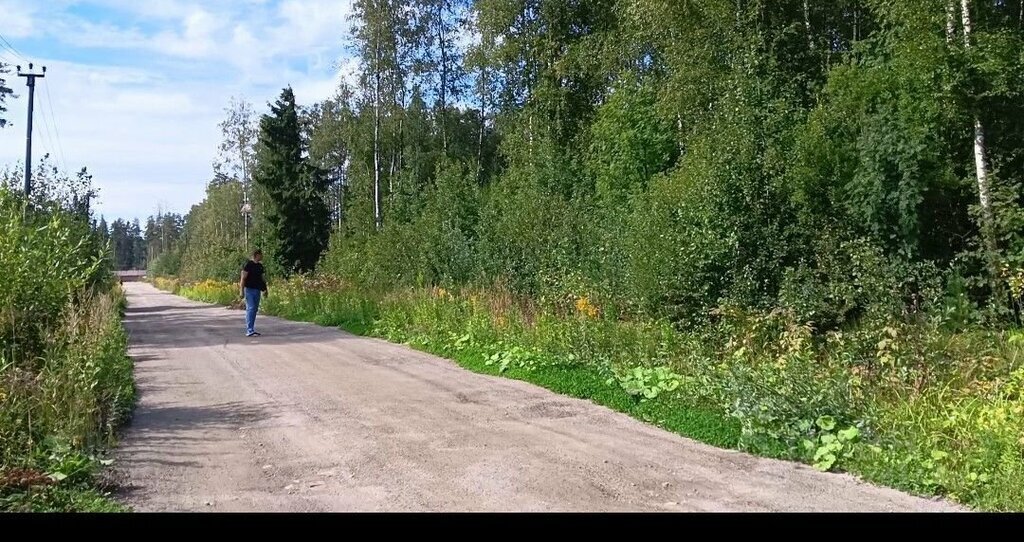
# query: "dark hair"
257,252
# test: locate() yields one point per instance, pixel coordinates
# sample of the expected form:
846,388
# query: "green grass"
60,415
213,292
945,418
575,380
588,382
78,498
584,381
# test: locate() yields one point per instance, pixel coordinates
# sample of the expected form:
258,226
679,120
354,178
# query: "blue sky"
137,87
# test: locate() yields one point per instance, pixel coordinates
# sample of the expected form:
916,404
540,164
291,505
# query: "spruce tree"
298,212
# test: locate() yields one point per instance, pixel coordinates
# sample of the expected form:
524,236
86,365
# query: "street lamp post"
246,213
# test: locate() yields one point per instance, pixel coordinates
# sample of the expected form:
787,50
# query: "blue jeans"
252,305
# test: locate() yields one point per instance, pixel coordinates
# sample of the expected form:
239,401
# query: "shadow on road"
154,430
171,327
161,422
166,308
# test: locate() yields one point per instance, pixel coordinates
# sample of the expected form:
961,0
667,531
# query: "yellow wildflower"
585,308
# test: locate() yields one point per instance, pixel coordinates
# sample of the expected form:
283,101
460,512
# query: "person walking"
253,286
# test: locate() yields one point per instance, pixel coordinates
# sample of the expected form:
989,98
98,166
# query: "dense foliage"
65,379
811,212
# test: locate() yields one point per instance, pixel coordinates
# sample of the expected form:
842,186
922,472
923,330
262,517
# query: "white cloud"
18,20
308,91
138,140
197,38
313,25
142,111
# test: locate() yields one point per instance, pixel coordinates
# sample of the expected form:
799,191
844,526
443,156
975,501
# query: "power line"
42,132
41,135
53,118
49,101
4,60
48,141
8,46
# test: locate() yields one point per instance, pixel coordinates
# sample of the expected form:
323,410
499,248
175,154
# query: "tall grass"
65,378
914,406
212,291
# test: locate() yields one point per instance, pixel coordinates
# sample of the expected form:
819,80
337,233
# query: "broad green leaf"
849,434
826,423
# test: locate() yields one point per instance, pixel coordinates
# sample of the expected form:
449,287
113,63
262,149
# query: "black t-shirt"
254,279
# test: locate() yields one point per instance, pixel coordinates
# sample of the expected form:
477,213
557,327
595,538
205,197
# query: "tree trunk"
340,198
679,128
398,156
980,148
856,24
391,177
443,44
376,141
950,21
981,165
483,125
807,25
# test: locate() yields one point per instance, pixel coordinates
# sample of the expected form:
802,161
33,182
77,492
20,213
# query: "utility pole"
246,213
31,80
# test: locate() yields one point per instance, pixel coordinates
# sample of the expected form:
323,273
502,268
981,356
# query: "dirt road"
307,418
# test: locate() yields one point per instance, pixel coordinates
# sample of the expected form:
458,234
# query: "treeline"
806,217
133,247
125,243
667,158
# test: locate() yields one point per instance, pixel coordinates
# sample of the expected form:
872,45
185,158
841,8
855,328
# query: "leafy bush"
212,291
674,207
167,264
166,284
907,403
47,257
65,379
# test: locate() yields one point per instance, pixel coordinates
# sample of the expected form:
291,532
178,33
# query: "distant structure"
131,275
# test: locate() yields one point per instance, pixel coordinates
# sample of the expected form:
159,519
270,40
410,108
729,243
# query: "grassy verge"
668,411
915,406
560,373
61,411
207,291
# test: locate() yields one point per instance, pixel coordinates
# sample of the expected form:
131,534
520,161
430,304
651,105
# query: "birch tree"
980,148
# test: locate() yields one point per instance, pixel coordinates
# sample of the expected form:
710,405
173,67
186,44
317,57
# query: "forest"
803,218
